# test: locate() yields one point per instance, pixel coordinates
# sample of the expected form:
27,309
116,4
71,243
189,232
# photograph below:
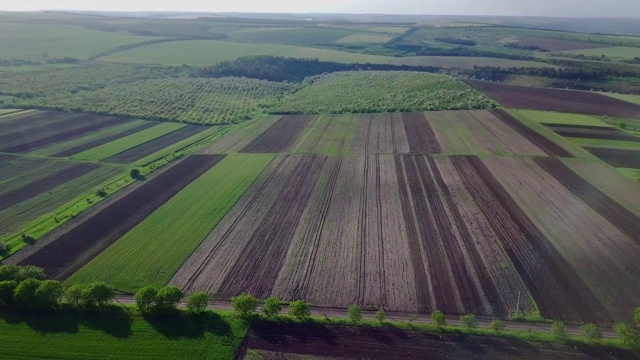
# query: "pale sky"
558,8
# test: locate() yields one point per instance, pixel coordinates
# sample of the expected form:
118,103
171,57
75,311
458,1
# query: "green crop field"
364,38
207,52
374,91
201,101
630,98
619,52
118,334
154,250
304,36
117,146
557,118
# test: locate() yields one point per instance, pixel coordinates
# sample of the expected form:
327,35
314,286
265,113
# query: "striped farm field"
117,146
152,251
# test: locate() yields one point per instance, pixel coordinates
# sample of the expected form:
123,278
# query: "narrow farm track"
552,282
622,218
73,249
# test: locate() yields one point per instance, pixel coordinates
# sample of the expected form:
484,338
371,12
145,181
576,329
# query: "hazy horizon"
534,8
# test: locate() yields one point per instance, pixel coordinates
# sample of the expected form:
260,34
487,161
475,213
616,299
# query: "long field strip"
163,246
418,233
72,249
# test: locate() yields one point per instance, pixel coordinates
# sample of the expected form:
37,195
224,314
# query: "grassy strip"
154,250
115,147
6,113
557,118
630,98
119,334
94,135
605,143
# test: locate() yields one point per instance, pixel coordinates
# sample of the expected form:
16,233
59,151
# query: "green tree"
98,293
7,288
355,313
198,302
496,325
591,332
49,293
9,272
299,309
380,315
5,248
559,330
135,173
438,318
627,334
145,298
168,298
244,304
469,321
272,307
30,272
74,293
636,315
25,293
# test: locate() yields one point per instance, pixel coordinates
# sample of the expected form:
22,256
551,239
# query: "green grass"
557,118
376,91
208,52
117,146
465,62
327,134
630,98
304,36
119,334
94,135
31,41
365,39
154,250
619,52
604,143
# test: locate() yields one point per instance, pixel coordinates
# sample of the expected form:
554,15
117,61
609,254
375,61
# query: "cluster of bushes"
525,47
64,60
17,62
279,68
456,41
25,287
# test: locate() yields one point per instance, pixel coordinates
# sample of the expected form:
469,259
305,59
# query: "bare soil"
617,157
280,136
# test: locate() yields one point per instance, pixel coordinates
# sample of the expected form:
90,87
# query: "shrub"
73,294
559,330
438,318
469,321
101,192
591,332
28,238
146,297
244,304
496,325
135,173
198,302
299,309
272,307
413,318
622,125
168,298
380,315
5,248
355,313
627,334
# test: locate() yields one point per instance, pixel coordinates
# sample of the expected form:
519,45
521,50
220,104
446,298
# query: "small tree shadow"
177,324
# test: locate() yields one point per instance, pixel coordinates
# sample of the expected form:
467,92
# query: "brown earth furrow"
483,136
39,125
546,145
591,133
360,135
381,252
294,278
79,245
424,294
420,135
400,141
368,244
103,140
155,145
615,213
240,136
398,272
280,136
604,257
551,280
513,141
94,124
220,249
443,288
624,158
387,135
264,254
44,184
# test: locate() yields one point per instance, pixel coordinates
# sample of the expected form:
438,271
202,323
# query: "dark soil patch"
81,244
591,132
422,139
579,102
549,147
44,184
103,140
280,136
617,157
557,45
155,145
